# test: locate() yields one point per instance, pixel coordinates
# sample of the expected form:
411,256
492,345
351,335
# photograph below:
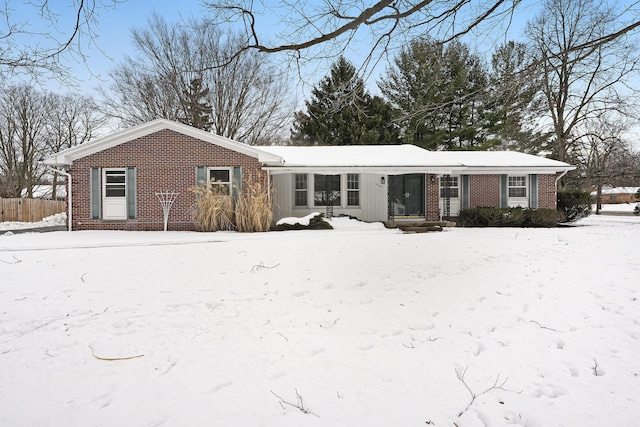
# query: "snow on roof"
359,155
479,159
618,190
408,156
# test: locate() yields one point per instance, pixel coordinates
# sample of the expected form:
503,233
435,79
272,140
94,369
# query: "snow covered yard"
357,326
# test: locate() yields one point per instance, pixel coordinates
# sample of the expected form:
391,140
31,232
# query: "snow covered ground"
356,326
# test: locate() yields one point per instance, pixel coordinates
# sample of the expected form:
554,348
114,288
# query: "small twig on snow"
432,339
542,327
476,395
82,277
595,368
261,266
332,325
409,346
110,359
298,405
16,261
282,336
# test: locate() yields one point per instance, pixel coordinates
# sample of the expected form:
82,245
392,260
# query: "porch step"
420,227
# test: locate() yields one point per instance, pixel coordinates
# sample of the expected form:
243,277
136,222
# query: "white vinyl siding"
372,196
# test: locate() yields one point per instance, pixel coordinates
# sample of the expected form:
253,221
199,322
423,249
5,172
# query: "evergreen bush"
509,217
574,204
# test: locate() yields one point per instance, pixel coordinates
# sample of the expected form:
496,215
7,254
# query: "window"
115,183
353,189
220,180
300,189
518,186
326,190
449,185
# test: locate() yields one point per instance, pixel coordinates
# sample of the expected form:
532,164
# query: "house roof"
387,159
617,190
407,159
66,157
361,158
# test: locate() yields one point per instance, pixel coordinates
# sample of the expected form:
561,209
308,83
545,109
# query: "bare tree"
23,114
311,30
179,67
73,120
34,124
581,80
604,156
27,49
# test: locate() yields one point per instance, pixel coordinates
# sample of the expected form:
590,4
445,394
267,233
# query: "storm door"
407,195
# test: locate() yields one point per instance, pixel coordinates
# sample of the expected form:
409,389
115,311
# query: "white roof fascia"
523,170
66,157
385,170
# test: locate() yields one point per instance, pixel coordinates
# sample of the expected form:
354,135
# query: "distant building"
612,195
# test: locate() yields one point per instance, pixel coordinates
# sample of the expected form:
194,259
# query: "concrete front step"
420,227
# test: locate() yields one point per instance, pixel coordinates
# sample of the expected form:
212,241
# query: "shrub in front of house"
574,204
509,217
216,210
254,209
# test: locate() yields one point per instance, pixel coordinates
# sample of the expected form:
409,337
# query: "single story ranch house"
114,179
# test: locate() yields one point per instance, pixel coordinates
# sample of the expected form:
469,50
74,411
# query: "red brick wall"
484,190
433,198
547,197
164,161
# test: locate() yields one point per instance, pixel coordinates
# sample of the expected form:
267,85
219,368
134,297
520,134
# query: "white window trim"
221,168
104,182
522,201
457,186
348,190
306,190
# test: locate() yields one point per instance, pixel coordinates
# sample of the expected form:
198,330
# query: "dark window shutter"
95,193
201,175
237,182
131,193
465,201
533,191
504,191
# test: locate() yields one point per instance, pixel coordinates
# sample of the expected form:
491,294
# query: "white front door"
114,192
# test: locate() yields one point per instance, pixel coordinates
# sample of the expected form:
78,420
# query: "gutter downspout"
69,200
559,178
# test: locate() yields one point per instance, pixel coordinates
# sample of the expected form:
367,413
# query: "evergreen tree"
197,108
439,95
342,112
513,88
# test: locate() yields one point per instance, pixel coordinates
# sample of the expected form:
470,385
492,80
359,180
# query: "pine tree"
198,110
342,112
438,94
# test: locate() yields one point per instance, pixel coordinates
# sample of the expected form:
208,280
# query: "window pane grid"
300,193
452,183
517,186
115,183
353,189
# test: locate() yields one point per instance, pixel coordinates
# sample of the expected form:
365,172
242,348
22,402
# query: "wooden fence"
29,210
